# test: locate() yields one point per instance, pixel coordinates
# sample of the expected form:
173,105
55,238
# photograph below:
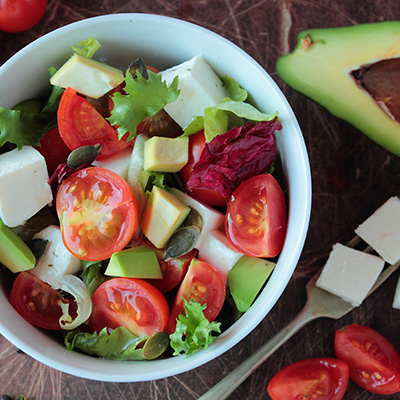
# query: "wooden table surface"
351,176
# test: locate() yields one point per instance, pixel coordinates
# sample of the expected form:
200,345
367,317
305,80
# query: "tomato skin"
80,124
37,302
130,302
53,149
208,196
255,221
173,270
98,213
202,283
314,378
374,362
21,15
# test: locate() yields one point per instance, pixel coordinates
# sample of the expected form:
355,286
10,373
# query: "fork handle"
228,384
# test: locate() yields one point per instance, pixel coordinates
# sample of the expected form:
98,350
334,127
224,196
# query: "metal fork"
320,303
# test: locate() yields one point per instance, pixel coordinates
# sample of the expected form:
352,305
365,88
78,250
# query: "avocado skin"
320,67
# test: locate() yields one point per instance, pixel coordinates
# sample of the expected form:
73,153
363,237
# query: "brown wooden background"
351,175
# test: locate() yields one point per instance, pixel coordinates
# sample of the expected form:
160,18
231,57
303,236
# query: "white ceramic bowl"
161,42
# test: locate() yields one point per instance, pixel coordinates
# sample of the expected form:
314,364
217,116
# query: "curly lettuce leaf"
193,331
87,48
24,126
144,97
120,344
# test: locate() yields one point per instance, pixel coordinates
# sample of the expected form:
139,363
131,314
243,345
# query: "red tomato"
374,362
37,302
53,149
313,378
80,124
173,270
208,196
129,302
255,220
98,213
202,283
20,15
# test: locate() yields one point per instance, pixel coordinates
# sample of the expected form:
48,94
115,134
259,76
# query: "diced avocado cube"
246,279
14,252
136,262
162,216
89,77
166,154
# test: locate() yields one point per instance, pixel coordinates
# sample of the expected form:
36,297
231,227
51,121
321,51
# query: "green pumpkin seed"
181,242
155,345
83,155
138,66
194,219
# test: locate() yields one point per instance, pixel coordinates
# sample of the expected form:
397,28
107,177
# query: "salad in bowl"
147,200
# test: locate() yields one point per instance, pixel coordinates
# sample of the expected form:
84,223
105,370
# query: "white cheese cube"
212,219
382,230
118,163
200,87
56,261
216,250
350,274
24,187
90,77
396,298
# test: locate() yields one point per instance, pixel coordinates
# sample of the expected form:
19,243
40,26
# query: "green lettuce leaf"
235,92
92,275
24,126
193,331
87,48
120,344
230,113
144,97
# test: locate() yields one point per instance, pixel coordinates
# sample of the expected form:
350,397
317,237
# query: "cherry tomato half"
53,149
98,213
38,303
255,221
130,302
313,378
202,283
374,362
20,15
80,124
208,196
173,270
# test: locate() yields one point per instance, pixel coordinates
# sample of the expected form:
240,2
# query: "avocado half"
354,72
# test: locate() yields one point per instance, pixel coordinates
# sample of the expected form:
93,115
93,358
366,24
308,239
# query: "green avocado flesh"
136,262
247,278
14,252
351,71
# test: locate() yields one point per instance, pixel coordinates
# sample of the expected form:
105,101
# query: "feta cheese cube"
200,87
56,261
118,163
396,298
382,230
212,219
350,273
24,187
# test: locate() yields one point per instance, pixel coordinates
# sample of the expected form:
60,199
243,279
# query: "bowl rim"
227,340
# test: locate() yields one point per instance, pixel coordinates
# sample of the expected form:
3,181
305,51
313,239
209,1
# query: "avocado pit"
381,80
